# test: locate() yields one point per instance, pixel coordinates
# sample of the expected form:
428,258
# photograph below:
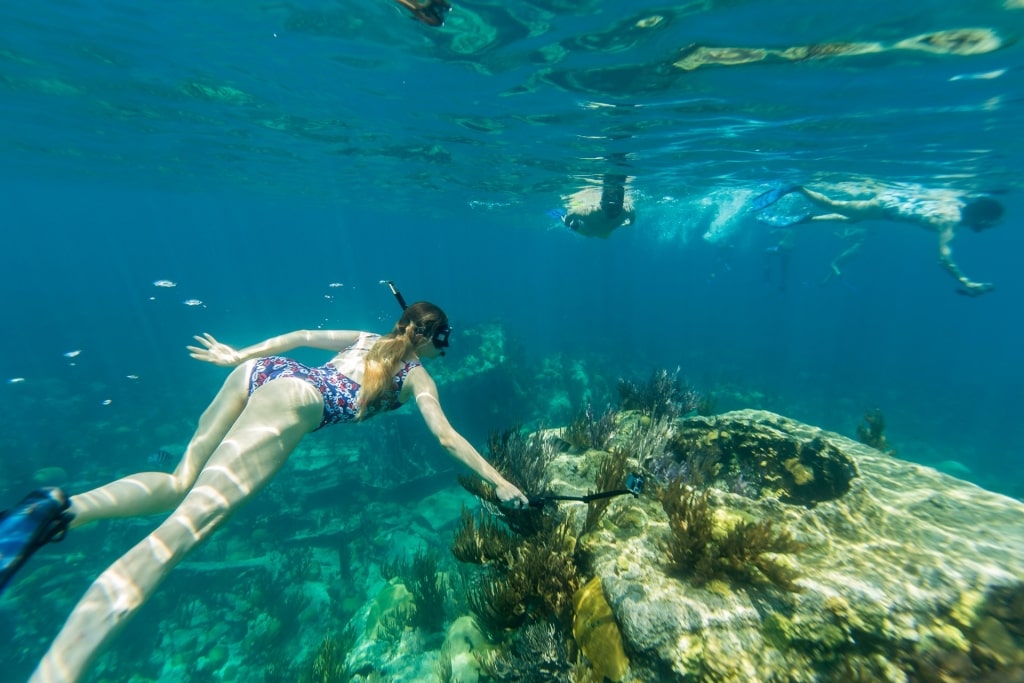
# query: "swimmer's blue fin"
766,199
41,517
557,214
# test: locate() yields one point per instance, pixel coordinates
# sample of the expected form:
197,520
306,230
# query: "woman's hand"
212,351
510,496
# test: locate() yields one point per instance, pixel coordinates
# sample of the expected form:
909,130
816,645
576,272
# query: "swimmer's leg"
147,493
275,419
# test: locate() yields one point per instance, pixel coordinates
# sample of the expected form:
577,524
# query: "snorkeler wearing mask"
594,213
938,210
266,406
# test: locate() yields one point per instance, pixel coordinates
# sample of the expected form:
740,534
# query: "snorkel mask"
441,332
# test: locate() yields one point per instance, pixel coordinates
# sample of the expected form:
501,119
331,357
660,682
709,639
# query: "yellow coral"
801,473
967,608
597,633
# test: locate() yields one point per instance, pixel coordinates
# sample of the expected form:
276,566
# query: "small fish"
164,283
72,354
159,458
192,302
106,402
132,376
16,380
336,284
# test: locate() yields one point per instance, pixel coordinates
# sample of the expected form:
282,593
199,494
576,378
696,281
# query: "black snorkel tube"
634,486
394,291
440,334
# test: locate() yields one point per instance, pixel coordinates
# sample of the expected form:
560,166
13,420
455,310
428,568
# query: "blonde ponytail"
386,357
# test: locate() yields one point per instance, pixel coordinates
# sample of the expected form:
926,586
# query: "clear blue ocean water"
256,153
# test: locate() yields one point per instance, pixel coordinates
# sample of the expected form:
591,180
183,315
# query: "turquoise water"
255,154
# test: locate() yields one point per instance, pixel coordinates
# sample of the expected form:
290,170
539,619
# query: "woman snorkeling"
265,407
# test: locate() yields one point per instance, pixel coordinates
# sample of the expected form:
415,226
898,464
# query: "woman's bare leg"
274,421
147,493
853,209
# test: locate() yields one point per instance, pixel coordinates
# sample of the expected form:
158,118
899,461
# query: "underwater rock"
903,569
466,645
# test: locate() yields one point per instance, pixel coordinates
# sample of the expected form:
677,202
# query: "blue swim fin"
557,214
41,517
766,199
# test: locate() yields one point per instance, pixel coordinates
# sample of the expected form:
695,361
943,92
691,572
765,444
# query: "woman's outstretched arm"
423,388
218,353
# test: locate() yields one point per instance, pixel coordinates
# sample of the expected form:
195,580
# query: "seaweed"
663,395
537,653
649,438
746,552
696,463
496,603
481,540
872,431
443,665
523,459
691,525
544,566
538,581
750,549
706,405
328,665
428,586
589,432
392,625
611,472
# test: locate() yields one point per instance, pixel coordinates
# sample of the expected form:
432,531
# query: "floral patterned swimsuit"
340,392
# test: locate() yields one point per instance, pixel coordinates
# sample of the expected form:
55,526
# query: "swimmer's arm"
224,355
630,217
422,386
970,288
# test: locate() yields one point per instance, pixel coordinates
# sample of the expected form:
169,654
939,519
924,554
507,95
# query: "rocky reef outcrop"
905,573
886,570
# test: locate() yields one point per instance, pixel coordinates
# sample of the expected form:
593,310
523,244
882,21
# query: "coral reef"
763,465
906,574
